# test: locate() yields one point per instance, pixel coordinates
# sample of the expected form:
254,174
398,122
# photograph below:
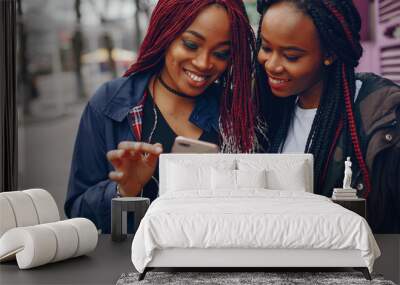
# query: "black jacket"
377,114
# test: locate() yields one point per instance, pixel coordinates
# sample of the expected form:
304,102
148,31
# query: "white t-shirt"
300,127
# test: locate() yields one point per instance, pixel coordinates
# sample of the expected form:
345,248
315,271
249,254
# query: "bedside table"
357,205
119,208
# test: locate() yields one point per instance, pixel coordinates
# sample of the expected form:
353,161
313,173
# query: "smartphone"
187,145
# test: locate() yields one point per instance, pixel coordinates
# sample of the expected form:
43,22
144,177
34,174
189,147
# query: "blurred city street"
67,49
46,143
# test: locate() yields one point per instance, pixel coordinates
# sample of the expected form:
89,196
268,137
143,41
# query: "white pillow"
235,179
223,179
291,180
251,178
185,175
289,175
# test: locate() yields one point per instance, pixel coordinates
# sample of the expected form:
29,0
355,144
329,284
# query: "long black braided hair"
338,24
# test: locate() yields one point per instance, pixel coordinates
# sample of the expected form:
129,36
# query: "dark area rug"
243,278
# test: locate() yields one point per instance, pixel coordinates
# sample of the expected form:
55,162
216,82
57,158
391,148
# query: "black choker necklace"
173,90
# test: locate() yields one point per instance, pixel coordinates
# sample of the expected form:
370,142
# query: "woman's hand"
134,164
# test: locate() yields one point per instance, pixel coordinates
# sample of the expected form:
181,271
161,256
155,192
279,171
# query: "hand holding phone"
187,145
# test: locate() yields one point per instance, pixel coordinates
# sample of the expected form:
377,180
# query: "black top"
165,135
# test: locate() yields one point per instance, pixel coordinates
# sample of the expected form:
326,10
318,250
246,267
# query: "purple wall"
363,7
370,59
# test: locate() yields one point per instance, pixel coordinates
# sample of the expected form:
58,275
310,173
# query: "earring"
327,62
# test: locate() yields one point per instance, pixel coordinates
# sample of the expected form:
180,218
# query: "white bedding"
251,218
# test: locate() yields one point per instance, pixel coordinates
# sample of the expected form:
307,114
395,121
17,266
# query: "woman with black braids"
315,103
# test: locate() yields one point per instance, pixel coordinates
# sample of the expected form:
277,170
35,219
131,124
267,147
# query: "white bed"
202,219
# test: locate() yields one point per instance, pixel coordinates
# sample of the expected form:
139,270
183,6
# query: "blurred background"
68,48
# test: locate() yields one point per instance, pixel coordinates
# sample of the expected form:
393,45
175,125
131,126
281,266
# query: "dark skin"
193,61
292,56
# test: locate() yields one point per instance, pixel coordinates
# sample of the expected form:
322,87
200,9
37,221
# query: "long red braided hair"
238,106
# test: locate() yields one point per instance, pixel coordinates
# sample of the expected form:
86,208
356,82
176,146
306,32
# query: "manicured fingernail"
159,149
119,174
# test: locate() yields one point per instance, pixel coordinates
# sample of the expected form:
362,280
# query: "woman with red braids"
315,103
194,52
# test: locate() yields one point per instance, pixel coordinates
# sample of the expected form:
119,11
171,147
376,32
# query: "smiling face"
201,54
291,54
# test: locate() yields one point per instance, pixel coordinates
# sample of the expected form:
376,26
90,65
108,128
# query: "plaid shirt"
136,115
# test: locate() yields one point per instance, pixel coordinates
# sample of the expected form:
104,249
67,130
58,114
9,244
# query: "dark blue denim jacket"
105,122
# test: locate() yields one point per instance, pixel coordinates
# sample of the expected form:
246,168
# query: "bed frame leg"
143,274
364,271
